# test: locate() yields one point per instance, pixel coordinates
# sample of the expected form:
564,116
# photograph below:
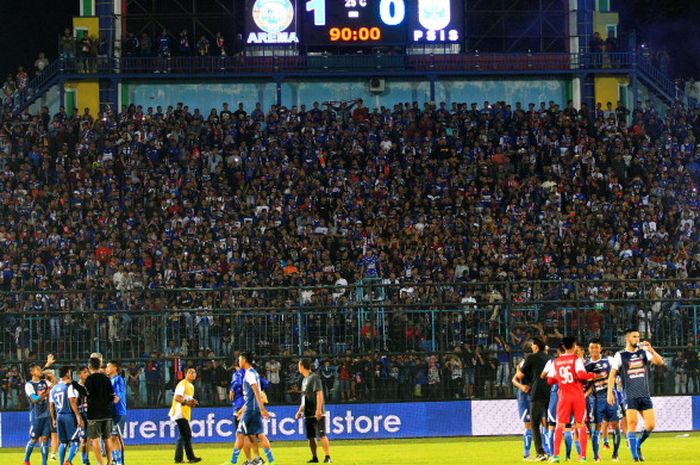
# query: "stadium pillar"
635,89
278,90
62,93
432,78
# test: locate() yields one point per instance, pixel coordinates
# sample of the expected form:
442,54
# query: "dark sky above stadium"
31,26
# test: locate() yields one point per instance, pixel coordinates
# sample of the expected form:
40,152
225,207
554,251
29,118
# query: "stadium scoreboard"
354,22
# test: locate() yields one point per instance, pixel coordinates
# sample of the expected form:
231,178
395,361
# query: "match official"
181,413
313,409
100,398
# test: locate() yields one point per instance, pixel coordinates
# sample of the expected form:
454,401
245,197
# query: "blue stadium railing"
347,65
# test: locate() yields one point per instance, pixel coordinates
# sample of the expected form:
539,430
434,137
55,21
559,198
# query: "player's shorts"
565,407
40,428
552,409
118,425
640,404
315,428
251,424
235,418
524,408
602,411
67,428
99,429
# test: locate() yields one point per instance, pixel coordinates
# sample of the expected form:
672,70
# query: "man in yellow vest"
181,413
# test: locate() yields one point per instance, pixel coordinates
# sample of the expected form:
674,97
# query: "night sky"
31,26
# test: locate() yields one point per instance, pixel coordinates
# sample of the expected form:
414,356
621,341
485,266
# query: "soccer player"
632,364
63,404
524,412
181,413
37,390
313,409
79,387
252,413
119,416
237,400
602,414
568,372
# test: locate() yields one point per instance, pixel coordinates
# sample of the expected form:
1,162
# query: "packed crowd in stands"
144,200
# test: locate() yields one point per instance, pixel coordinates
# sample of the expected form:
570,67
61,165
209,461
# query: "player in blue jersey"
602,414
524,413
632,364
79,387
252,413
63,404
236,397
119,409
37,390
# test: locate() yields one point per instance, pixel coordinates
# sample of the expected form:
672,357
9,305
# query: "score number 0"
391,12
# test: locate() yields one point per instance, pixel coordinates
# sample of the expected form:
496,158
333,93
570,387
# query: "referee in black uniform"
538,389
312,407
100,399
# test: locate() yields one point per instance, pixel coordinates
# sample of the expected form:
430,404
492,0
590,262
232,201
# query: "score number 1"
391,12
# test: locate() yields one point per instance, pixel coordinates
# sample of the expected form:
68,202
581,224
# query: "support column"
278,89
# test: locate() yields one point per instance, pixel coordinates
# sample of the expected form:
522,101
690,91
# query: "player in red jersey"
569,373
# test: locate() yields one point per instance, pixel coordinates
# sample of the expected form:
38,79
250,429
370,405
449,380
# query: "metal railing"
364,317
310,65
387,333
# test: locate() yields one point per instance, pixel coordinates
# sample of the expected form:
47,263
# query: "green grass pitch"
659,449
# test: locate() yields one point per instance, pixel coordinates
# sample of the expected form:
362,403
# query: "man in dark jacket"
100,399
528,380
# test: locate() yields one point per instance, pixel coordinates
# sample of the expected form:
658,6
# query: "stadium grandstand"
405,200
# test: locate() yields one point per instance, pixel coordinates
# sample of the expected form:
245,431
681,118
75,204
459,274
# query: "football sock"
527,442
62,453
44,452
72,450
28,451
632,440
617,437
268,454
644,436
568,440
558,434
582,442
595,441
236,453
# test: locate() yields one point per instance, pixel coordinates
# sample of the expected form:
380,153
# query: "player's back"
564,371
59,398
251,378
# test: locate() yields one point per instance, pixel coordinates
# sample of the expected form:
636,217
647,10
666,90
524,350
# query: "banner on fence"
347,421
357,421
500,417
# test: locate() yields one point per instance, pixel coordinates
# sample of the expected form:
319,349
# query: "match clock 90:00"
361,34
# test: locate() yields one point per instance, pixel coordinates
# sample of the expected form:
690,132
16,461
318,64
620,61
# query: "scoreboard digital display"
355,22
